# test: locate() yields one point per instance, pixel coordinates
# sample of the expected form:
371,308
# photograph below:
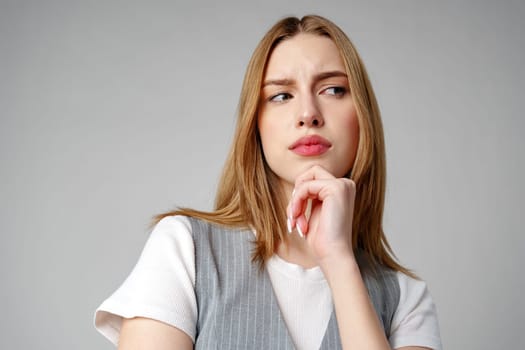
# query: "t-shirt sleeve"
415,321
161,286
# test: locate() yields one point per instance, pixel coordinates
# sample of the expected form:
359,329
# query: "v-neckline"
329,332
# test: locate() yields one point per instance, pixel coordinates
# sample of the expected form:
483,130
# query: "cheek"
272,127
267,132
264,130
351,135
350,123
353,127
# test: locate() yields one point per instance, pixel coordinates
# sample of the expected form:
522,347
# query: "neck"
286,190
296,251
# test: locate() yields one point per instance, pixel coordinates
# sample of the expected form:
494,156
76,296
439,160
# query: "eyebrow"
317,77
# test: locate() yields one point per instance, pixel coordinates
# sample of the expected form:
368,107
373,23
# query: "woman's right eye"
280,97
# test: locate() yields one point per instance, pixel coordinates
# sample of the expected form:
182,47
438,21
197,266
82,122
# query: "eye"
281,97
338,91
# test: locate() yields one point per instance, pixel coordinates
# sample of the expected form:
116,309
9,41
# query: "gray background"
112,112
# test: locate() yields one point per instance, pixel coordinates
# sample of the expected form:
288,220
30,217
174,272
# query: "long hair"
249,194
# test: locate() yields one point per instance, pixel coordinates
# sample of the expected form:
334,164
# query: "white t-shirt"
161,287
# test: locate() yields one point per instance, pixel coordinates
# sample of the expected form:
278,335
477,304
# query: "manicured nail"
299,231
289,225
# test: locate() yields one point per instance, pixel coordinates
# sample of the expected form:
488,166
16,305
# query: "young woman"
294,254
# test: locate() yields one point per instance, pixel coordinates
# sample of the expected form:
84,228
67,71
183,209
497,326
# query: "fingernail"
289,225
299,231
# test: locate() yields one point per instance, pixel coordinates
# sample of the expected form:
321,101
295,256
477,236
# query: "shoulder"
169,233
160,286
412,291
170,226
415,322
168,249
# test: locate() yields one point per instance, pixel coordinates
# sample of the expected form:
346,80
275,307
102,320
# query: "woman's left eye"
335,91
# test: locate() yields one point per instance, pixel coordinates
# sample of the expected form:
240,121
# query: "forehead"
304,53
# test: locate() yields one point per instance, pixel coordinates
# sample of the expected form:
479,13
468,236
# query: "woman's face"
306,114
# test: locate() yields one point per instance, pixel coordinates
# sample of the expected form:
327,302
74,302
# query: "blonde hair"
249,194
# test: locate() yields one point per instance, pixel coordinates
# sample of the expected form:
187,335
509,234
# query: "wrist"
341,265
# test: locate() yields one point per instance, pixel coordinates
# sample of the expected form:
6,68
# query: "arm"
328,233
143,333
359,326
160,286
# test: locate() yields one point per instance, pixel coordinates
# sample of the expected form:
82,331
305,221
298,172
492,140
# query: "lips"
312,145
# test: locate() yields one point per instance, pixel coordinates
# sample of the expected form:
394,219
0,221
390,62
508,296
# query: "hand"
328,226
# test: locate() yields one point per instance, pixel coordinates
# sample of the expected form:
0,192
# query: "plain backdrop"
111,112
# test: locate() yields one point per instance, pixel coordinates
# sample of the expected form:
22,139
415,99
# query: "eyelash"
282,95
338,91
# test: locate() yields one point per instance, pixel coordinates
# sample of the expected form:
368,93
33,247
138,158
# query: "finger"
341,190
320,189
302,226
314,173
295,208
300,207
313,189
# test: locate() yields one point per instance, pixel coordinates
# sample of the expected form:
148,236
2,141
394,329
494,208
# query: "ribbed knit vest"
237,308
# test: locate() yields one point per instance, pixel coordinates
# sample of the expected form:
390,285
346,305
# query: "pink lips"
312,145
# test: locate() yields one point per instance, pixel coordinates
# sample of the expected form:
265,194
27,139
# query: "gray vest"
237,306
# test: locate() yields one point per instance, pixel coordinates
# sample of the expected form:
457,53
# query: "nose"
309,114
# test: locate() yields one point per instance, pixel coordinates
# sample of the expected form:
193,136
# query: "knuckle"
349,185
340,185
